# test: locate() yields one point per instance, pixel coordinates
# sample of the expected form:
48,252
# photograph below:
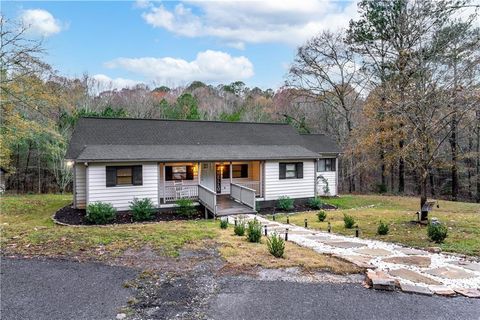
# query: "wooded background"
399,91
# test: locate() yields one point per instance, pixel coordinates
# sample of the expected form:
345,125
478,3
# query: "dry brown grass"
243,255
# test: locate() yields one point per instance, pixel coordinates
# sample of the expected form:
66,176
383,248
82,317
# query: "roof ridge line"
186,120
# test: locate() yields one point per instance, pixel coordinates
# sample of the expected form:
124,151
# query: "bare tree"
326,70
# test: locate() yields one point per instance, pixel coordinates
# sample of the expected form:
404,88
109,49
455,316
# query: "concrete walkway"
390,265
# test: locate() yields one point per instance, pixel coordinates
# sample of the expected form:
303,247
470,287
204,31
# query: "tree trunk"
478,156
401,171
25,174
423,188
432,184
454,155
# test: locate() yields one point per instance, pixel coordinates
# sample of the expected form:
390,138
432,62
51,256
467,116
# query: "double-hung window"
293,170
123,176
326,164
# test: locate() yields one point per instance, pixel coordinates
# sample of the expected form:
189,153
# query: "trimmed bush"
239,229
321,215
285,203
348,220
315,203
223,223
100,213
143,209
382,229
276,245
186,207
437,232
254,231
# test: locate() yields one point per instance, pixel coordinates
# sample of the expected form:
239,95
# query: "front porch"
222,187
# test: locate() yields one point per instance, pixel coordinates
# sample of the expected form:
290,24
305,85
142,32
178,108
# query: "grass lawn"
462,219
27,229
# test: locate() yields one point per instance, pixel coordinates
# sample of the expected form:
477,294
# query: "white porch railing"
255,185
208,198
243,194
173,193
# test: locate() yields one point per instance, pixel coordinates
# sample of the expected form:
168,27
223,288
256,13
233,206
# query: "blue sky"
172,43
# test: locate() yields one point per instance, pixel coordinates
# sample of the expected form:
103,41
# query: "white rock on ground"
323,242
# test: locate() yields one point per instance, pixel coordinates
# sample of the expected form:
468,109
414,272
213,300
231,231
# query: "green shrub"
223,223
186,207
437,232
239,229
100,213
254,231
276,245
382,229
321,215
315,203
285,203
142,209
348,220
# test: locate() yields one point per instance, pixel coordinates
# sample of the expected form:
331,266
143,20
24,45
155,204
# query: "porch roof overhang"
102,153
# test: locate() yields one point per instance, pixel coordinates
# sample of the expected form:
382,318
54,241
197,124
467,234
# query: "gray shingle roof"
320,143
102,139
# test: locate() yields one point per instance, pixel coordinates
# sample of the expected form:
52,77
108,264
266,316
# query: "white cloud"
286,21
209,66
41,22
104,82
142,4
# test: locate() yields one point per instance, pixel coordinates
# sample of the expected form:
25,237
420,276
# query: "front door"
218,178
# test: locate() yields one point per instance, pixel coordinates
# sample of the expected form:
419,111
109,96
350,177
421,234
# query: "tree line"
398,90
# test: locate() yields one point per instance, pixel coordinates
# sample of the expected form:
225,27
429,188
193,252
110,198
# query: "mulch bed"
74,216
296,208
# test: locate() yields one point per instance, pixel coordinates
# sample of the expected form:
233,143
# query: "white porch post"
163,182
231,170
260,178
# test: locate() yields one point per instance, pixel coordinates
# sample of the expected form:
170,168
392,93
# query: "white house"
212,162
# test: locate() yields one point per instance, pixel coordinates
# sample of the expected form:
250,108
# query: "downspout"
315,186
75,185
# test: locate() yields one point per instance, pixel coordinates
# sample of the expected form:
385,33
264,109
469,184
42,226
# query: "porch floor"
227,206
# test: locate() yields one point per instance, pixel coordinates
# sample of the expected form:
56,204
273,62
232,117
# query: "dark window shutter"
244,171
282,170
226,172
299,167
334,165
111,173
168,173
189,172
137,175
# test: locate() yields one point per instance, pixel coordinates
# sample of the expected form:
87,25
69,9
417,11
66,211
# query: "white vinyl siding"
293,188
121,196
331,177
80,184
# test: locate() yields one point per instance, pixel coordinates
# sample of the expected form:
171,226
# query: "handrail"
208,198
243,194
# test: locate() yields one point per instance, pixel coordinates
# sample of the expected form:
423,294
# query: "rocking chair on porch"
180,191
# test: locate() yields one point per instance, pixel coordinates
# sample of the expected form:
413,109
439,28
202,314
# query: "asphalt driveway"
56,289
253,299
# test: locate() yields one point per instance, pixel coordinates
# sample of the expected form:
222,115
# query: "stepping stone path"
412,276
419,261
389,265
